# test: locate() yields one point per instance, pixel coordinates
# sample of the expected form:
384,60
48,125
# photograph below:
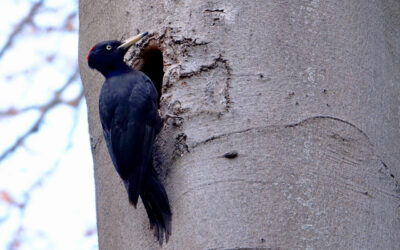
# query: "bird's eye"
108,47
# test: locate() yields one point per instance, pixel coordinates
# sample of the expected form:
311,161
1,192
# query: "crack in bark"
388,173
292,125
207,184
207,68
189,42
216,137
214,10
332,118
179,46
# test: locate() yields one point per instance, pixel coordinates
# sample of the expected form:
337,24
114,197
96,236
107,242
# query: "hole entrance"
153,66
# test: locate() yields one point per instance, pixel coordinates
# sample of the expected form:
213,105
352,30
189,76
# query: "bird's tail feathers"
155,201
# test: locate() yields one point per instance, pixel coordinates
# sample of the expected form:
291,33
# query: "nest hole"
152,65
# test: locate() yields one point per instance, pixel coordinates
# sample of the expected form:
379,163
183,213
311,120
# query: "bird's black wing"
131,125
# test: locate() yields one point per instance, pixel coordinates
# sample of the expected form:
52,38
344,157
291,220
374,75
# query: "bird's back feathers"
129,116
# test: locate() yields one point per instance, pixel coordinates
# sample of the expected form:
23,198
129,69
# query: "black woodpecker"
129,115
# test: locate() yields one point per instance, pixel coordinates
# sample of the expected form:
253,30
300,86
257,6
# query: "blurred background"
47,198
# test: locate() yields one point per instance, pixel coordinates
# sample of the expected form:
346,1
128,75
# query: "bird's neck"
119,69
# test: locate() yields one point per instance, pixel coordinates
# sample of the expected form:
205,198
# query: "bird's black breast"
128,96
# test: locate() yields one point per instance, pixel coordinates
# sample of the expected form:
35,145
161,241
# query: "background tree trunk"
307,93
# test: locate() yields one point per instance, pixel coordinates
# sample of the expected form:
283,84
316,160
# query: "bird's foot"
166,117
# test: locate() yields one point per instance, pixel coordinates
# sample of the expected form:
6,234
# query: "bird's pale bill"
132,40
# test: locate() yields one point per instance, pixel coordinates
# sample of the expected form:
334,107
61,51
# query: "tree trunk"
290,136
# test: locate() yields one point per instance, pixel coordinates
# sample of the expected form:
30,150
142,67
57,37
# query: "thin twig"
28,20
43,112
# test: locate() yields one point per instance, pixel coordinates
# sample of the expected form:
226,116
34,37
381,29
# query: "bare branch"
17,237
44,109
68,23
18,204
21,205
28,20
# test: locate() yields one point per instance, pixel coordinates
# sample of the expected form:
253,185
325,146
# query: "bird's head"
108,56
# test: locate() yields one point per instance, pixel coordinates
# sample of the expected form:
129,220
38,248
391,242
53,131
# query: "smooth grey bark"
307,93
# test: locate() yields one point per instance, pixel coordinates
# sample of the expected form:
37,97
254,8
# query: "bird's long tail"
156,202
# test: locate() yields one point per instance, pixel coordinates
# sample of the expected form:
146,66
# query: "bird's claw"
166,117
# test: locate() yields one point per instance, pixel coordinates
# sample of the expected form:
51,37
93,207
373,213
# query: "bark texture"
302,95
